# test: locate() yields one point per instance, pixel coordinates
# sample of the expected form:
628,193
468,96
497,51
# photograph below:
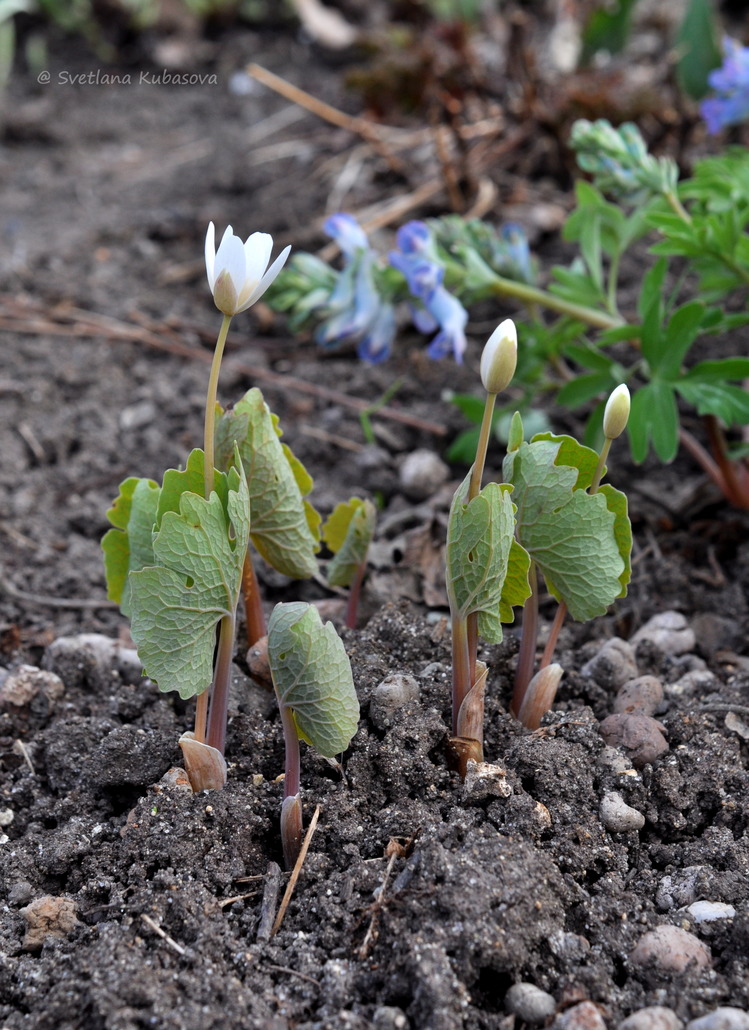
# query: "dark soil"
422,900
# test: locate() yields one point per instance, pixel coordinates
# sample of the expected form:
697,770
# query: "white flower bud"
617,413
500,357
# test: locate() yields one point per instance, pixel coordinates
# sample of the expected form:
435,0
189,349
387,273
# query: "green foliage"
284,526
198,553
312,677
128,547
607,29
477,556
348,533
698,47
579,541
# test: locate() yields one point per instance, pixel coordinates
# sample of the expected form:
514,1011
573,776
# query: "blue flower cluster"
437,308
731,83
356,311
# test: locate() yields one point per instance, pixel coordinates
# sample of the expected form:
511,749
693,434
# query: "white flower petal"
230,258
268,278
257,251
210,254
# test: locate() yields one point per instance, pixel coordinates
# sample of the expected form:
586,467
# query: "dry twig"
296,871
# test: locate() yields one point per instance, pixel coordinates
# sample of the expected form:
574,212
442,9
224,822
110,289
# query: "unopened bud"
617,413
500,357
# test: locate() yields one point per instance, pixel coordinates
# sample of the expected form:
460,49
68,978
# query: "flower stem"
216,736
474,488
528,638
201,716
253,608
210,406
677,207
532,295
462,671
596,481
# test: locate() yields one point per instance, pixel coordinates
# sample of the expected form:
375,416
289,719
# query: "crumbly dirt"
422,900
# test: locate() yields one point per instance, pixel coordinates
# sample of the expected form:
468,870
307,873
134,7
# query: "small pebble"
681,888
611,758
639,736
655,1017
669,631
618,816
671,950
20,893
21,687
530,1003
585,1016
48,917
642,695
422,474
392,693
725,1018
695,682
709,911
388,1017
484,780
614,664
571,946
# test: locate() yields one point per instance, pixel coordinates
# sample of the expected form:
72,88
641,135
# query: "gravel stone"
613,666
391,694
709,911
48,917
642,695
21,687
669,631
530,1003
640,736
422,474
724,1018
655,1017
671,950
585,1016
619,817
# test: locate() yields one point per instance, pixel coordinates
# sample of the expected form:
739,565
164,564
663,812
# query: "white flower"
500,357
237,272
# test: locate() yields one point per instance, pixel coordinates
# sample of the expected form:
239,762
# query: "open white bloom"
616,415
500,357
238,273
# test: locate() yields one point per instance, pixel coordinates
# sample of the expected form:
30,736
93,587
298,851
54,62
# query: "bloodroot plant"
177,560
550,516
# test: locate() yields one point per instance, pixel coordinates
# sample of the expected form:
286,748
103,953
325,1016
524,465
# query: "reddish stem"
737,491
554,632
528,640
253,607
216,735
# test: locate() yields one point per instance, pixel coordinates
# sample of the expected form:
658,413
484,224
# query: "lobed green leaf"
198,551
128,546
570,534
348,533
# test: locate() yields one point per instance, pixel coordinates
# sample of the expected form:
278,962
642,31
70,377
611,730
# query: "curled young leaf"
348,533
285,527
312,677
479,540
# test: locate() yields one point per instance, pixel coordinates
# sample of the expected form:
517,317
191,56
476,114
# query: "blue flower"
347,233
731,82
517,250
356,311
417,261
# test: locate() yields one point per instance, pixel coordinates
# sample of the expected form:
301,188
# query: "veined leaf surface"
177,603
312,676
479,539
573,536
285,527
